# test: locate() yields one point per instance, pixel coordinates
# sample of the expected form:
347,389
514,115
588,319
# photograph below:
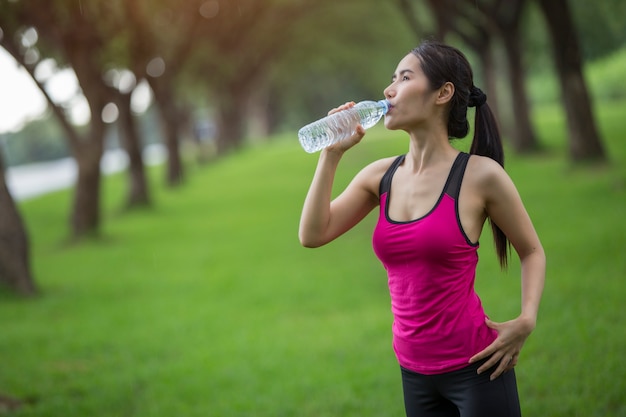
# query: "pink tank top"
439,321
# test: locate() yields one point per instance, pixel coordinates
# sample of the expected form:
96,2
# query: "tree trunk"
488,71
85,217
258,111
524,139
170,122
175,174
14,245
231,122
138,194
584,140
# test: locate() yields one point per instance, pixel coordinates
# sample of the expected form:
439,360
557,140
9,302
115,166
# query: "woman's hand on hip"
504,351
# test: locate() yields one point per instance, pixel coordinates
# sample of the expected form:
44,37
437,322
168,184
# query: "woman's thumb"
491,324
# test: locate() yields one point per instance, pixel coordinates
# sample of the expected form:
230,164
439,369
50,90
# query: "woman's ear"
446,92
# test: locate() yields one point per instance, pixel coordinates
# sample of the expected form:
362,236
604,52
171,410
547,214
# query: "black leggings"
461,393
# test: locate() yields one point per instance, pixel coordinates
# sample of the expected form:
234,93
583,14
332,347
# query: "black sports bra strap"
385,182
453,186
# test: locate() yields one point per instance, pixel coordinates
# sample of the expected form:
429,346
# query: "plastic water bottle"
341,125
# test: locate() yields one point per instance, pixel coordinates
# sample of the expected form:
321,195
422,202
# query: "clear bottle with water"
341,125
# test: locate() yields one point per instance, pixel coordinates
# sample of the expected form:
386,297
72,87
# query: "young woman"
434,201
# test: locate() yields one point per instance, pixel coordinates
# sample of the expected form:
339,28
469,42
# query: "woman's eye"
405,78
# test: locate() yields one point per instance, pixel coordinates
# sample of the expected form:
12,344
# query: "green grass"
208,306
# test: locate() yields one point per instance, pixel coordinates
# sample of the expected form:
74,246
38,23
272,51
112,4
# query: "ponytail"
487,142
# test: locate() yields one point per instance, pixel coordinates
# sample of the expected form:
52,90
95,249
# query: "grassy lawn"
207,305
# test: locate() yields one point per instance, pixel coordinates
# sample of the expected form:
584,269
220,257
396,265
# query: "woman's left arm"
504,207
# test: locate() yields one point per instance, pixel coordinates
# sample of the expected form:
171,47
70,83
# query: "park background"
181,289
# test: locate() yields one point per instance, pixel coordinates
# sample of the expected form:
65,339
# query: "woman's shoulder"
483,171
484,166
371,175
385,162
379,167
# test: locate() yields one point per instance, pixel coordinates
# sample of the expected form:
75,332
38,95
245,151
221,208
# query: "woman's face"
412,100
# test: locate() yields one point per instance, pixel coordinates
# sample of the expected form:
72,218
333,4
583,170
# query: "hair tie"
476,98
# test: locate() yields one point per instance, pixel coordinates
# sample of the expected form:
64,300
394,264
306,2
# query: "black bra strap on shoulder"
385,182
453,187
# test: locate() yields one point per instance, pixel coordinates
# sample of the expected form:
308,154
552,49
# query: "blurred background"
161,92
80,78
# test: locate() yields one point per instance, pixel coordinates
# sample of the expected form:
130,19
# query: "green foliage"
208,306
600,26
604,80
336,57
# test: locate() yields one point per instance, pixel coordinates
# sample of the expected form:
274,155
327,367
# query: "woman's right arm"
324,220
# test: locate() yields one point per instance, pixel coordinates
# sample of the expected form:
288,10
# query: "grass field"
207,305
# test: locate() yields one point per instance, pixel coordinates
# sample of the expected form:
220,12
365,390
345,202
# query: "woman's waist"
441,348
448,316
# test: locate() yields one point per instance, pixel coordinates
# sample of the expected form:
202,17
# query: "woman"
433,203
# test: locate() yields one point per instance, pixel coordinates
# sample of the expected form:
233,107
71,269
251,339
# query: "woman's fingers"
345,106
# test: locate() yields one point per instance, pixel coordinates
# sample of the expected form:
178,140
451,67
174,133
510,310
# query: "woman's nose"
388,92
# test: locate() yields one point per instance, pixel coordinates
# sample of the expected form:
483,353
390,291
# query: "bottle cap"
385,103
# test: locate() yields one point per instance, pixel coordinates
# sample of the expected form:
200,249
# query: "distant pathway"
32,180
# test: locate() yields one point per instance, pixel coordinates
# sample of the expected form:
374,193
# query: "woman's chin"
389,125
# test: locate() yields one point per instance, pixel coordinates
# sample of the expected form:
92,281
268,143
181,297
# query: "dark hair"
443,63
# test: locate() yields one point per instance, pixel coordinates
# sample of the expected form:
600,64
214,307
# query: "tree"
584,139
463,18
333,56
243,45
600,26
471,26
138,190
478,23
74,34
15,270
243,42
161,36
67,33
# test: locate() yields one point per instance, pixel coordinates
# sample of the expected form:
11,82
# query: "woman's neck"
429,147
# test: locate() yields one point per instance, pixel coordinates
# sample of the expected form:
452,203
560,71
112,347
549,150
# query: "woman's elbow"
309,241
